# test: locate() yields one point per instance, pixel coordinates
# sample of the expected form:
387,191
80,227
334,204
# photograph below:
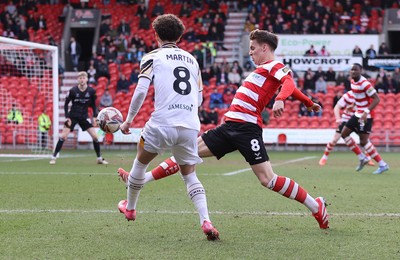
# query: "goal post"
29,86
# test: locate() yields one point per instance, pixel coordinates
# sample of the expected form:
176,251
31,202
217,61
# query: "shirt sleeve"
287,89
138,98
67,100
297,94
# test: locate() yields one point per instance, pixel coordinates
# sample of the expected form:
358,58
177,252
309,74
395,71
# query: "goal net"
28,89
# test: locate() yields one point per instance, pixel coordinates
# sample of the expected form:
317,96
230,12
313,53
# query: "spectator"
355,28
380,86
330,76
124,28
319,73
31,22
228,97
135,40
203,116
357,52
157,10
190,35
91,75
234,77
15,115
186,10
8,33
105,27
341,79
51,40
141,10
336,98
44,124
324,52
396,80
42,24
382,81
383,49
23,34
206,75
235,65
106,99
311,51
216,99
364,20
123,84
144,22
370,53
320,85
103,69
75,51
134,77
130,55
213,116
308,80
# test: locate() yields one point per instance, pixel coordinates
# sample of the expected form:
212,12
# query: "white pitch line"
114,173
274,165
168,212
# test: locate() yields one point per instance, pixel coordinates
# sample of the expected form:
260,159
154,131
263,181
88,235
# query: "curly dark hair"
262,36
168,27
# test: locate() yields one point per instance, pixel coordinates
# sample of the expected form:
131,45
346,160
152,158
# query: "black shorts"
232,136
354,124
340,127
83,123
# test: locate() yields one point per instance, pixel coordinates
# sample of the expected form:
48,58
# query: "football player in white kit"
174,124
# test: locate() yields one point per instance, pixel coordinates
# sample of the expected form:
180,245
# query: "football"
109,119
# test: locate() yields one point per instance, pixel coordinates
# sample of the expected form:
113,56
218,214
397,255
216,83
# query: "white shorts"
181,141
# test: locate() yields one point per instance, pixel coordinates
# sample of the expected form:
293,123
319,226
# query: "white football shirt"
177,82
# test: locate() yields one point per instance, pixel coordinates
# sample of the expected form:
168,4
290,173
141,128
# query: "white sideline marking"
168,212
274,165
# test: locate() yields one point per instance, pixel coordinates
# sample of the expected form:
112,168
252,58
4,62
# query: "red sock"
371,150
352,145
288,188
166,168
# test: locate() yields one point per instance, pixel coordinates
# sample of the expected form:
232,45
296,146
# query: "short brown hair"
168,27
263,36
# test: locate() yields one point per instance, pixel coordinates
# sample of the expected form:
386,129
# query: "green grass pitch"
69,210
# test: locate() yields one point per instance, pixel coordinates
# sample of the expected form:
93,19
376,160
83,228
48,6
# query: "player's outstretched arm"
136,102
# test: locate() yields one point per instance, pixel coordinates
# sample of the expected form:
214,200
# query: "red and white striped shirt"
362,90
346,102
256,91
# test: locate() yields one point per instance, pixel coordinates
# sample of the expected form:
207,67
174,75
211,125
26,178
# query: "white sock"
148,177
311,204
135,183
197,194
382,163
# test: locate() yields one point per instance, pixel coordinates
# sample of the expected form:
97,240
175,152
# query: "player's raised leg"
292,190
164,169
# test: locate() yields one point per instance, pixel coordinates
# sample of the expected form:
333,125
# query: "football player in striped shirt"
346,102
174,124
366,99
242,129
